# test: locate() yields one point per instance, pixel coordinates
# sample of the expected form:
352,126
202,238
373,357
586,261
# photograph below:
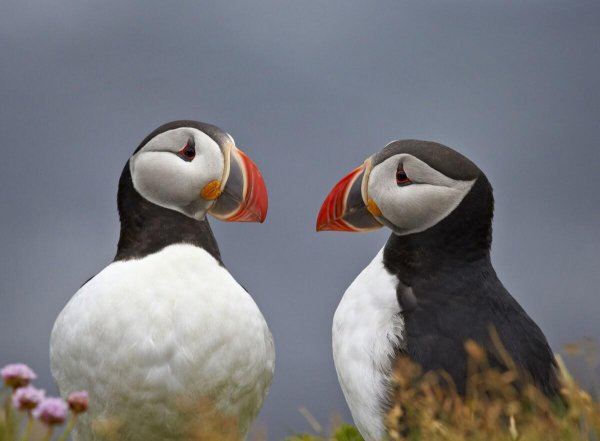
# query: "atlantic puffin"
164,339
431,287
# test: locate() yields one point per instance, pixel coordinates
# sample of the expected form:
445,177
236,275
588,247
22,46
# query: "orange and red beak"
344,208
241,195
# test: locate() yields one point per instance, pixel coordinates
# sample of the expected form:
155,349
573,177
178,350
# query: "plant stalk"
28,428
69,428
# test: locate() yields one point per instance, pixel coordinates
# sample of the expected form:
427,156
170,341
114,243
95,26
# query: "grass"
344,432
498,406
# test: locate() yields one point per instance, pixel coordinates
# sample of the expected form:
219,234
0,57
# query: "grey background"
309,89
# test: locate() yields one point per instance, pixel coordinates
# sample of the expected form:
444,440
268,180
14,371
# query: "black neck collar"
460,240
147,228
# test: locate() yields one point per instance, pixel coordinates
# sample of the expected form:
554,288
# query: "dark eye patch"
188,152
401,176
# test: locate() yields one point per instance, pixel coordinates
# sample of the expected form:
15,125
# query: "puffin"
431,287
166,342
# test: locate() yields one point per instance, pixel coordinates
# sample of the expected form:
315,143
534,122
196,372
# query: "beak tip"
322,221
263,202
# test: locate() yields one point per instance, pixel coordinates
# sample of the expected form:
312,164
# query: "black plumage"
146,228
457,294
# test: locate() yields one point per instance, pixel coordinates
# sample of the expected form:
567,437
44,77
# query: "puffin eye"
401,177
188,152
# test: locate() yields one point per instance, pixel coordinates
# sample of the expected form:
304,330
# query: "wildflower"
17,375
27,398
78,401
51,411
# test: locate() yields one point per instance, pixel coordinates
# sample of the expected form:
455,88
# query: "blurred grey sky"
309,89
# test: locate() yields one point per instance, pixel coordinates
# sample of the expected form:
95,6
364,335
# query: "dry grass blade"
498,405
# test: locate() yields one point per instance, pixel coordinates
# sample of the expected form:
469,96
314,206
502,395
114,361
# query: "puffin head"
195,168
410,186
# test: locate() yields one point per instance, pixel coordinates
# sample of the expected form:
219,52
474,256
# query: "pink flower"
17,375
78,401
27,398
51,411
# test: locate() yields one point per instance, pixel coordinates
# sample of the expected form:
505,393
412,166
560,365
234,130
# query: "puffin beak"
241,196
344,208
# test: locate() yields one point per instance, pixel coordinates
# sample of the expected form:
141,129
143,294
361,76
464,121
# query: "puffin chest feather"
146,335
367,331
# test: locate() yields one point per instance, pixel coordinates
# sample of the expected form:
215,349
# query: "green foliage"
304,437
345,432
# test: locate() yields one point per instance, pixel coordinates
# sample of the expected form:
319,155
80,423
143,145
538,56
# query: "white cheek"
167,180
159,177
418,206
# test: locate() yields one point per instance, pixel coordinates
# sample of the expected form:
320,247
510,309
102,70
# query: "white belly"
165,345
367,327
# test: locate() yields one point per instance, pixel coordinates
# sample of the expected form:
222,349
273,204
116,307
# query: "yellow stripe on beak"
211,191
373,208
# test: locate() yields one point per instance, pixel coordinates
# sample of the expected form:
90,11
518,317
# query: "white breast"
161,343
367,327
